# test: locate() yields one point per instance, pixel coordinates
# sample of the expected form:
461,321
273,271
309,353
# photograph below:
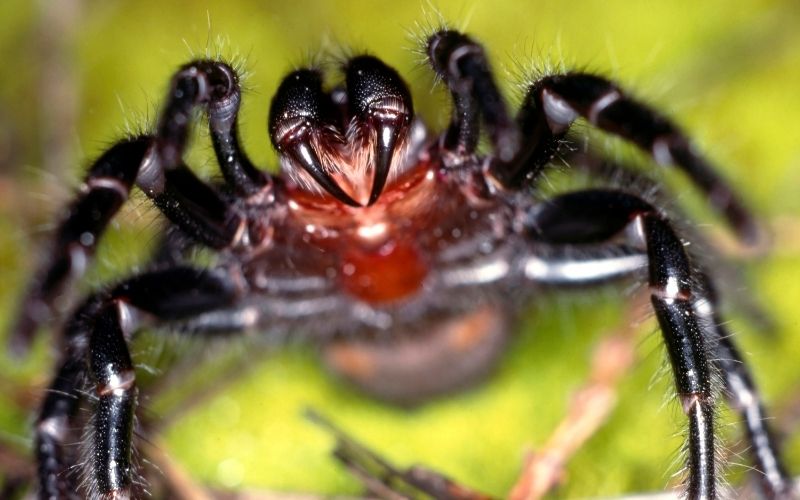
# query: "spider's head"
346,143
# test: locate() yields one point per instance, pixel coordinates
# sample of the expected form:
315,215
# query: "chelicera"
402,251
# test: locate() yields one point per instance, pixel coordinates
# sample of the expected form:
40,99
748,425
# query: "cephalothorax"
403,252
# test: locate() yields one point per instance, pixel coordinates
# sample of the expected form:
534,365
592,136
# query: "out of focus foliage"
77,75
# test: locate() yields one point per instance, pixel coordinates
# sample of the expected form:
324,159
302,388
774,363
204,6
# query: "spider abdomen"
440,356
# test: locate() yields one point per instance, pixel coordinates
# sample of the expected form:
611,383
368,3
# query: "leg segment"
615,174
603,213
105,189
60,406
111,370
463,65
223,110
154,163
541,141
743,397
554,102
97,345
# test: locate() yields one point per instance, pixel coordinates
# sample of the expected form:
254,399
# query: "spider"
404,252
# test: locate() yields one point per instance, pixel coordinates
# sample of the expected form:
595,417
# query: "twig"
590,408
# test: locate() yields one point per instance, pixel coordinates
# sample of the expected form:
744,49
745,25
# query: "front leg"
97,338
594,215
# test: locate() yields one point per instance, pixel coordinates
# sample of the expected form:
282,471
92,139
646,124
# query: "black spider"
388,241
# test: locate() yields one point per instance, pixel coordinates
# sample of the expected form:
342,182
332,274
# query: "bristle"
433,21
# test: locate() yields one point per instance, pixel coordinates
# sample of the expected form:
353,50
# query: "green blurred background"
76,75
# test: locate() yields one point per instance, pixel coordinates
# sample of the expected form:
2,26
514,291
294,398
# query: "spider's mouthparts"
300,110
391,126
380,99
306,127
302,152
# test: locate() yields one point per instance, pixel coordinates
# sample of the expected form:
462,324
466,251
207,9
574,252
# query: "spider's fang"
304,155
300,110
389,130
379,98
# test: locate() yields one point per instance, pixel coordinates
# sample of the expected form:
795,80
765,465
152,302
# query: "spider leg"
550,107
568,221
223,110
553,103
727,274
105,189
743,396
153,163
97,339
52,430
599,214
463,65
213,86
